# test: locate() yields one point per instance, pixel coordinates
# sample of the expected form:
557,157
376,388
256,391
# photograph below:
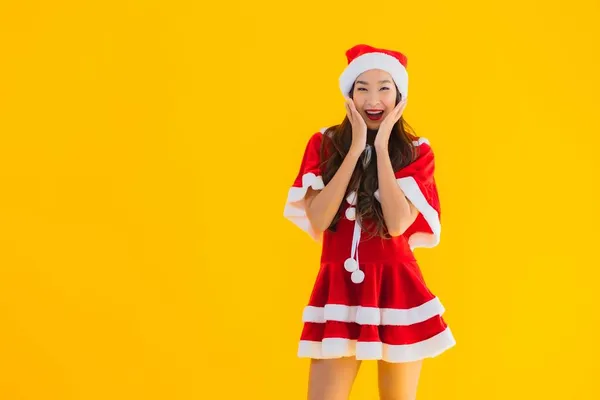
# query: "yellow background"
145,156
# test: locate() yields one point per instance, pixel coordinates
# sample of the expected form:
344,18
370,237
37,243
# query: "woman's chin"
373,126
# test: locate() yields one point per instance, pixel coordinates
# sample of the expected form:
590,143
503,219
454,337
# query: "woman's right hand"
359,127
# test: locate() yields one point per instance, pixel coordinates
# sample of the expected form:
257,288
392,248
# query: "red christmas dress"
378,306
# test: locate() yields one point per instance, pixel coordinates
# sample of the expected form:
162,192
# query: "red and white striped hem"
340,347
373,315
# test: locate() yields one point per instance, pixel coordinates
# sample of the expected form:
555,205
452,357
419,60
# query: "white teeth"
374,112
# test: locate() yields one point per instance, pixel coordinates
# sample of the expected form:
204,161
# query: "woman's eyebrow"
380,82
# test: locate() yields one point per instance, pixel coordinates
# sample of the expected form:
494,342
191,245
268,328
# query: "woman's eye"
385,88
361,88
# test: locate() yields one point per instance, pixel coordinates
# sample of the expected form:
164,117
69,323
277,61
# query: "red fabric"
387,334
393,279
361,49
311,162
422,171
398,285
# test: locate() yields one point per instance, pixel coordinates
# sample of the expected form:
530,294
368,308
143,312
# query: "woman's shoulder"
317,137
418,141
314,140
422,147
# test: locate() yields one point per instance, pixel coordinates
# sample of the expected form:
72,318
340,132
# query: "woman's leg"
398,381
332,379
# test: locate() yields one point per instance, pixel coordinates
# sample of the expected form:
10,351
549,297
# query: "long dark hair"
364,181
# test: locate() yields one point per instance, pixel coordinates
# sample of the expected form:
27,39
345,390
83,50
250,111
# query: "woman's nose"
373,97
373,100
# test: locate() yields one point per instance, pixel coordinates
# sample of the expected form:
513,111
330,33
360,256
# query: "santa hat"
363,57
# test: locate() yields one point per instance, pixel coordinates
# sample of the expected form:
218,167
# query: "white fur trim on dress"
340,347
413,193
373,315
295,210
374,61
420,141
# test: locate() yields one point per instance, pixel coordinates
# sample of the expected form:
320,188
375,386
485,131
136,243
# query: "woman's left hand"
385,129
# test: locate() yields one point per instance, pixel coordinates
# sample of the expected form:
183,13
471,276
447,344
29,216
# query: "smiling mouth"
374,115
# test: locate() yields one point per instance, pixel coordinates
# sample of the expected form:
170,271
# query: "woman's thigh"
332,379
398,381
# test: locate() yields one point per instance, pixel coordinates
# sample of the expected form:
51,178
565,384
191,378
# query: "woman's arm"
322,205
398,212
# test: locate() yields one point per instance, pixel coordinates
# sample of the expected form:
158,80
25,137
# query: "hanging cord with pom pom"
352,264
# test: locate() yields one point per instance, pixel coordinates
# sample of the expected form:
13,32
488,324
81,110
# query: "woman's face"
374,96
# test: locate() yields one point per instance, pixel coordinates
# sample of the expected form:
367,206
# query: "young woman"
367,186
